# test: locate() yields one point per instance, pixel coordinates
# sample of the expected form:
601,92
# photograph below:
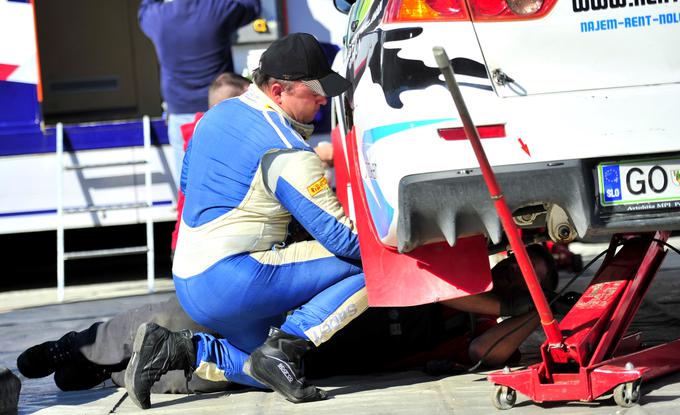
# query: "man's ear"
275,90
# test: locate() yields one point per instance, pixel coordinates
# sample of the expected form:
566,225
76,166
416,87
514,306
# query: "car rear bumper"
444,206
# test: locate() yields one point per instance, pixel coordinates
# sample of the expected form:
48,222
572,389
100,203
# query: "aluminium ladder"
61,210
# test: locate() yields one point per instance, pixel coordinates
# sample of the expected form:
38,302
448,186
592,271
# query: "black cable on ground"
667,245
120,401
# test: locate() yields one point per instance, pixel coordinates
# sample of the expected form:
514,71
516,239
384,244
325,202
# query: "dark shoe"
80,376
156,350
278,364
43,359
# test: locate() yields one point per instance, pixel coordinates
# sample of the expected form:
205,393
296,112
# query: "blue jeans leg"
175,121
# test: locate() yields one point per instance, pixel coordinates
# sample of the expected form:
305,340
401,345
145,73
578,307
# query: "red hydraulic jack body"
595,357
587,354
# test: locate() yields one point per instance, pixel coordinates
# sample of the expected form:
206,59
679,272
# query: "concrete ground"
382,393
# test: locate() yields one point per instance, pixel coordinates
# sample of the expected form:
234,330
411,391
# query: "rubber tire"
503,397
628,394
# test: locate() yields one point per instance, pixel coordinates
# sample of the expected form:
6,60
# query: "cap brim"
333,84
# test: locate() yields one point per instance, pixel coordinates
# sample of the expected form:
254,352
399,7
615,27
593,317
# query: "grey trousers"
370,343
109,344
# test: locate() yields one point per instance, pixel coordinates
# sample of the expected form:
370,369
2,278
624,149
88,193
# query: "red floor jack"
588,354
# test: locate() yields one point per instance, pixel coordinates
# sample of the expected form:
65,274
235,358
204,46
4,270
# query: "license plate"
639,185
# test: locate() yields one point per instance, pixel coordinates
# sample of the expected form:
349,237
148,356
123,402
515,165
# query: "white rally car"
577,103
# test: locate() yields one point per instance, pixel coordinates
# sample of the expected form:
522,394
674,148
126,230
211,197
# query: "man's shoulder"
236,118
234,109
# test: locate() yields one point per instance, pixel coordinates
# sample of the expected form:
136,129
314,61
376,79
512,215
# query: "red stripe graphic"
6,71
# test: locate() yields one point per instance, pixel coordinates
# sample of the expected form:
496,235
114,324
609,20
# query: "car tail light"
484,131
485,10
425,10
525,7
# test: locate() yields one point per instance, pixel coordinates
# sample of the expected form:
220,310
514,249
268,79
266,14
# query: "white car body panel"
576,95
558,53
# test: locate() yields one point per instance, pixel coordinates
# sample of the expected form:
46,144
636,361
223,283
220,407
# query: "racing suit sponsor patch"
348,311
316,187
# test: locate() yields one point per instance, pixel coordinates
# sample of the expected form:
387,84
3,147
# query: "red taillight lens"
484,131
488,7
509,9
424,10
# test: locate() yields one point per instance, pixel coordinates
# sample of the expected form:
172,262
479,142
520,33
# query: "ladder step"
102,208
98,165
98,253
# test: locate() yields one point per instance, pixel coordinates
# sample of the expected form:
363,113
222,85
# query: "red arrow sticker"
6,70
524,147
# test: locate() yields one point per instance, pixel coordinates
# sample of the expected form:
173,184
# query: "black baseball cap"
299,57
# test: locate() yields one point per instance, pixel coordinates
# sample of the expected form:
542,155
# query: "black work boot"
43,359
80,376
278,364
156,350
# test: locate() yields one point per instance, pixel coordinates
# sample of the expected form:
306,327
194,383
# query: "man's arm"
325,152
296,178
239,13
148,15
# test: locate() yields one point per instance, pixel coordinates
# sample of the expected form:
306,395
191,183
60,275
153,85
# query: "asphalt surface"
382,393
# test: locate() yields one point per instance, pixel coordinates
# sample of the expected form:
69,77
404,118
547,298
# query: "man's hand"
325,152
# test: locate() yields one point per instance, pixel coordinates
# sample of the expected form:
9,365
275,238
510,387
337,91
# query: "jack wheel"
503,397
627,394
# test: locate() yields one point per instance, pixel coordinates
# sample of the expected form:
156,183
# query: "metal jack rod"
548,321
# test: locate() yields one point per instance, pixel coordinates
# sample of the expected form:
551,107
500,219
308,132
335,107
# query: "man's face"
507,276
301,103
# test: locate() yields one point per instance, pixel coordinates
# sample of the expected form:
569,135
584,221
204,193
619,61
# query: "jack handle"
548,321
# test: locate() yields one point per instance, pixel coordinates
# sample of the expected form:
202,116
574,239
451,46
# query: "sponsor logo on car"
629,22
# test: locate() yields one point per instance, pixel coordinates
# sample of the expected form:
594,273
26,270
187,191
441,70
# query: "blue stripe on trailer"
18,106
28,138
54,211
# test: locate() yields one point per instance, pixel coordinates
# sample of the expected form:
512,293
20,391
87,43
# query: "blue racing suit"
247,173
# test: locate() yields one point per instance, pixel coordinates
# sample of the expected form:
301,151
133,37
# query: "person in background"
192,39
